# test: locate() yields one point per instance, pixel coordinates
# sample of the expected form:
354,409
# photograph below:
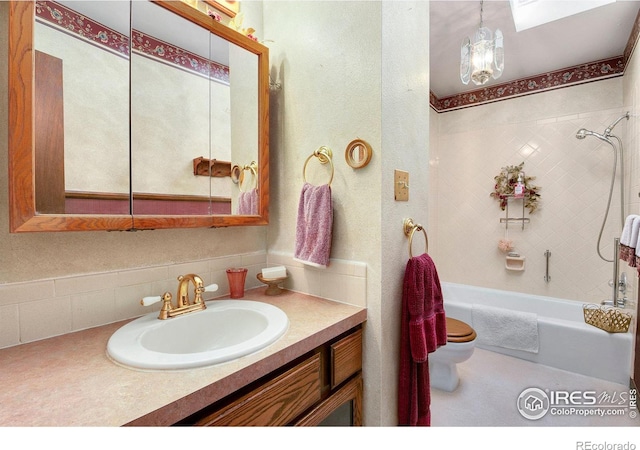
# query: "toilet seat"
458,331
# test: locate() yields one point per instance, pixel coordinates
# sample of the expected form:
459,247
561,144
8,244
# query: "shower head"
583,133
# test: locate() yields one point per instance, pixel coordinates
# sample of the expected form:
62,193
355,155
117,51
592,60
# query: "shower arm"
609,129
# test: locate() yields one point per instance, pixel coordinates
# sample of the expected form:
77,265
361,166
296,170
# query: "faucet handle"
200,289
211,288
146,301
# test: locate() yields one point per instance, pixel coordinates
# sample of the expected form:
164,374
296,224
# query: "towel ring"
253,169
409,229
324,155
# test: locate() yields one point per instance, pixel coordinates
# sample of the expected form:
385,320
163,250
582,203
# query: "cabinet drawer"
346,357
277,402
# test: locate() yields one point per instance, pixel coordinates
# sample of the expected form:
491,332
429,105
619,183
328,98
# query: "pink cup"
236,282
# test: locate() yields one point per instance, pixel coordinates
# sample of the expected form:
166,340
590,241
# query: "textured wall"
405,139
327,57
352,70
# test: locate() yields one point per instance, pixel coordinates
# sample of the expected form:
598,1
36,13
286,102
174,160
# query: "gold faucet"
184,305
183,289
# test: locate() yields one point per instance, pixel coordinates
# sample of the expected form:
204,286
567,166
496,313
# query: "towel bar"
324,155
410,228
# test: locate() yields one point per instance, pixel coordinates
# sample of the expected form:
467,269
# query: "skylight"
531,13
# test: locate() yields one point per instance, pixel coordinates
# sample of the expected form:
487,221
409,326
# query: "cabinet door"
346,358
331,412
275,403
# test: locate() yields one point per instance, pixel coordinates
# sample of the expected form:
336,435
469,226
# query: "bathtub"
565,340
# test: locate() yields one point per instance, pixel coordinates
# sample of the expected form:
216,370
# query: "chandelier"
484,58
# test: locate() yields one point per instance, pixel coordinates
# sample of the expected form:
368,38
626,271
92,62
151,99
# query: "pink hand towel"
423,329
314,225
248,203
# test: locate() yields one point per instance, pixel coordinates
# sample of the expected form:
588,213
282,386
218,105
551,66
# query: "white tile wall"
574,177
342,281
45,308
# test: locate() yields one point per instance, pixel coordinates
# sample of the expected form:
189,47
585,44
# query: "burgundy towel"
423,329
314,225
248,202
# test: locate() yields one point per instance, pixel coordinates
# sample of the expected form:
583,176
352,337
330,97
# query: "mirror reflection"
189,97
82,107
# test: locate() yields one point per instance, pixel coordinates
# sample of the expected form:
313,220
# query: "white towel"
625,238
635,232
506,328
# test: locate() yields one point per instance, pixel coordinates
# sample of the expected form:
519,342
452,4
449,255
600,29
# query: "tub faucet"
622,291
620,299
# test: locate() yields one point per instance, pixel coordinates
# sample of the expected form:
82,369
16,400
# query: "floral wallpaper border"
593,71
176,56
75,24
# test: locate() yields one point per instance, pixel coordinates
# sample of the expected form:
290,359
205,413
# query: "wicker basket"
607,318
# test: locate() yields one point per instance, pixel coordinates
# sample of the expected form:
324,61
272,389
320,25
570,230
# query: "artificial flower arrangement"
505,183
236,24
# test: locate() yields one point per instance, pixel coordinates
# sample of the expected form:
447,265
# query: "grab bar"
547,277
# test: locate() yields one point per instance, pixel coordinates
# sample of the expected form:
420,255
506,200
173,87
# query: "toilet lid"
458,331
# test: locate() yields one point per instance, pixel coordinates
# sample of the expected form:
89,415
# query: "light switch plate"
401,185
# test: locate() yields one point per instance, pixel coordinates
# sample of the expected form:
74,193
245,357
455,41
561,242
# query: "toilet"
443,371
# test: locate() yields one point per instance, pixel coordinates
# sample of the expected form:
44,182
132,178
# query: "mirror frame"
23,216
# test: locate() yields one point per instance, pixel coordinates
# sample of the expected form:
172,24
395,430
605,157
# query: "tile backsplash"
34,310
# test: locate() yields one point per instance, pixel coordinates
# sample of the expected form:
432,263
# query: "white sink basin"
226,330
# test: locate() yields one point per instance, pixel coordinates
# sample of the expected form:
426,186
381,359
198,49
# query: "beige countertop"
70,381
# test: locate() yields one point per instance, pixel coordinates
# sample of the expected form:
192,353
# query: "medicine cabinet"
131,115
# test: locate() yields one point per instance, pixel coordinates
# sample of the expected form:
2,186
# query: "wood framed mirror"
109,155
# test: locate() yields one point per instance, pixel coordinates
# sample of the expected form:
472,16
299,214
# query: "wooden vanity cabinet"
323,385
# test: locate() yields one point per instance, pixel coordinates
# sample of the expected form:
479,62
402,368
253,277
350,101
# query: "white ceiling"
592,35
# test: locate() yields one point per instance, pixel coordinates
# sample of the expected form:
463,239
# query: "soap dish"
272,283
515,262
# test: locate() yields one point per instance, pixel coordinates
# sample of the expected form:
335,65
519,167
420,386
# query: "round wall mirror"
358,154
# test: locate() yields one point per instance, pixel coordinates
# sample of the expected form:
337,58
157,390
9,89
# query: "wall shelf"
211,167
507,220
